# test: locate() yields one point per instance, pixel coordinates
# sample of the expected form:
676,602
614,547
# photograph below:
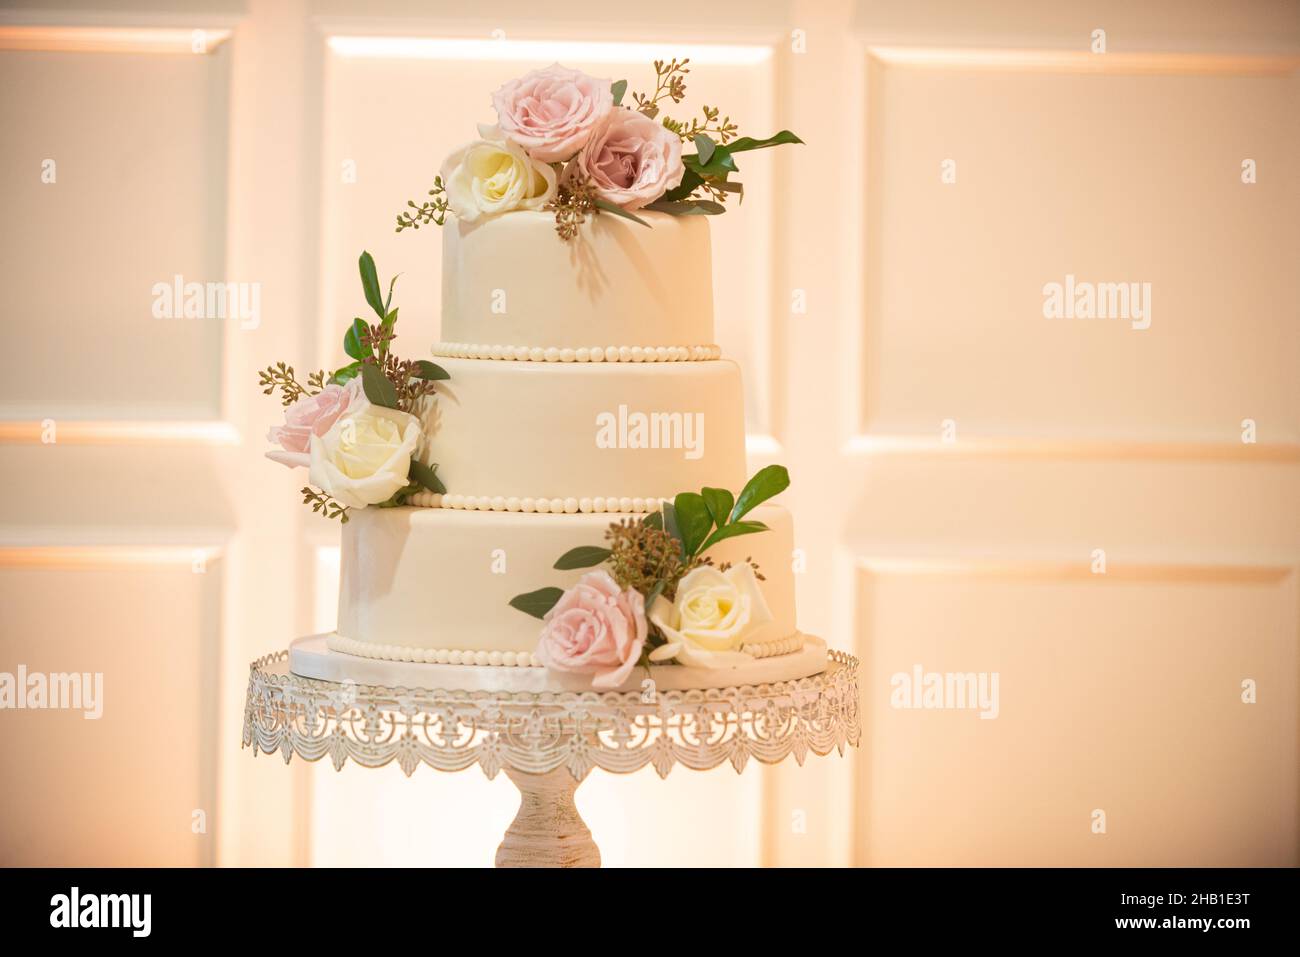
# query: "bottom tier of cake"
432,585
312,658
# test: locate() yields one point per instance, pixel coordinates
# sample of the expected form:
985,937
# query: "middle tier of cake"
522,437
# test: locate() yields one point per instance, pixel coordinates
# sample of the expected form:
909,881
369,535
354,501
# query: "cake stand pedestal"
546,743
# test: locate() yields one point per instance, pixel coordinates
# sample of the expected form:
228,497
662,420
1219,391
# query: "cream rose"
366,454
491,176
715,613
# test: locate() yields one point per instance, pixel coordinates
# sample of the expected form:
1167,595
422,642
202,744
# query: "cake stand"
546,743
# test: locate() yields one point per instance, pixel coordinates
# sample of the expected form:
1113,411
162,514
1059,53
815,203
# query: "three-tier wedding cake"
557,500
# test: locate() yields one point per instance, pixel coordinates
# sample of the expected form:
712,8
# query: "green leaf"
693,519
608,207
654,520
370,283
537,603
426,476
695,207
387,301
704,147
352,343
670,521
584,556
377,387
424,369
718,164
766,482
346,374
746,143
719,502
690,180
618,88
731,531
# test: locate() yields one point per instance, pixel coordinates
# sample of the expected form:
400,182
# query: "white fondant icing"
416,579
506,279
577,430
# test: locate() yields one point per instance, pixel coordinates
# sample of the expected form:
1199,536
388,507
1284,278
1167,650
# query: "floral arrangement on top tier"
565,142
357,430
659,597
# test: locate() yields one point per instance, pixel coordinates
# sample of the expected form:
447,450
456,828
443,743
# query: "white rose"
715,613
365,456
492,176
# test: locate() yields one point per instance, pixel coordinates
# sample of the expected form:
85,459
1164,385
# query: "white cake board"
310,658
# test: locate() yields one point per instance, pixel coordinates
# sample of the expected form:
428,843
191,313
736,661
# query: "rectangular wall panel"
986,185
137,786
115,172
1119,700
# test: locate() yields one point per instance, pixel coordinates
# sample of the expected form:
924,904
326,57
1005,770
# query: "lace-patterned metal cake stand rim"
548,742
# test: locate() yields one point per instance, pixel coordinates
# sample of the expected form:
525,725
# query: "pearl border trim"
512,659
774,647
465,350
557,506
432,656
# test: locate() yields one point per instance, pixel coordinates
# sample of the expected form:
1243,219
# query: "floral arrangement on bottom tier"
658,597
357,430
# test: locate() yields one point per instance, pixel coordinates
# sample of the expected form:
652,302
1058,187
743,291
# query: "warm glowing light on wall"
192,41
115,432
542,51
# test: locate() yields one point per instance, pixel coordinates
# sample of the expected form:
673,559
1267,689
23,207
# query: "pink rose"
595,628
310,415
632,160
552,112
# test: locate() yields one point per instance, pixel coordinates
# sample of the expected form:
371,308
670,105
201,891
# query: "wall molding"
107,557
119,432
190,41
1042,447
1059,570
1083,61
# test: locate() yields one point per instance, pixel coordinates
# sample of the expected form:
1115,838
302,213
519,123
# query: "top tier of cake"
512,289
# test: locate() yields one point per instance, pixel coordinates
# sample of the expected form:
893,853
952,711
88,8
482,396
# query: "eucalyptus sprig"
281,376
323,504
430,211
670,84
712,126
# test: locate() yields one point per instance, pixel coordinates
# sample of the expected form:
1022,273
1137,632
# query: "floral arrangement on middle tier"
357,429
565,142
657,596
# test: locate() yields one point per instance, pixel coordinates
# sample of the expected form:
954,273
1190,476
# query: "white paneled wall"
958,459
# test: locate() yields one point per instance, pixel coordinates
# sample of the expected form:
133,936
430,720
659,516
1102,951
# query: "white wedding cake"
559,498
